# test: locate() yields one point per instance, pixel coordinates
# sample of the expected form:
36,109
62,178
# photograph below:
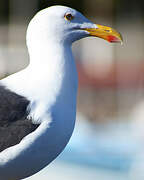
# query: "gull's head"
65,25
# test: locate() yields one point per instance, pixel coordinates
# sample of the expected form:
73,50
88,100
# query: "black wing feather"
14,124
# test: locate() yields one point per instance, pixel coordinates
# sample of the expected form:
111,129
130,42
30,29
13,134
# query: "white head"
65,25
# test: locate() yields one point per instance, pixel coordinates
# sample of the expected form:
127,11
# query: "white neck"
51,73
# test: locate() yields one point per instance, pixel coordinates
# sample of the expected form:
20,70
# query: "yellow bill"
106,33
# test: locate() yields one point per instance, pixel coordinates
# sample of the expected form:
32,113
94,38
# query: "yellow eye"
68,17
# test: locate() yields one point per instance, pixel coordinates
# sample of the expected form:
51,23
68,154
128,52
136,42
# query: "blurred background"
108,142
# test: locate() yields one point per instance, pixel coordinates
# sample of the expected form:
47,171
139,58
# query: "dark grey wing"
14,124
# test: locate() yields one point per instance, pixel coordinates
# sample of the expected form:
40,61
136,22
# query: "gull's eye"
68,16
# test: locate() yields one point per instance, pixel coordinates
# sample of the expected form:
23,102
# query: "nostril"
106,30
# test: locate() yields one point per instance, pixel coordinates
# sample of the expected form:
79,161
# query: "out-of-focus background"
108,142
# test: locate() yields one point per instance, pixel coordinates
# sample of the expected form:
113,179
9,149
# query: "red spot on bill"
113,39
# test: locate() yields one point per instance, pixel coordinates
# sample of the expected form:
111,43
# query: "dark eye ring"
68,16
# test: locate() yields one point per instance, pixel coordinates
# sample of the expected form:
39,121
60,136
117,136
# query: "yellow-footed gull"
38,104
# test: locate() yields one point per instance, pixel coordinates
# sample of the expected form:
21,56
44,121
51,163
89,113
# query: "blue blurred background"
108,142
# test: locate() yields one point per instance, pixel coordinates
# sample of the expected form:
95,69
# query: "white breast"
52,93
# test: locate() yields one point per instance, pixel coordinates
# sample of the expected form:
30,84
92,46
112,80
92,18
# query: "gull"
38,104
